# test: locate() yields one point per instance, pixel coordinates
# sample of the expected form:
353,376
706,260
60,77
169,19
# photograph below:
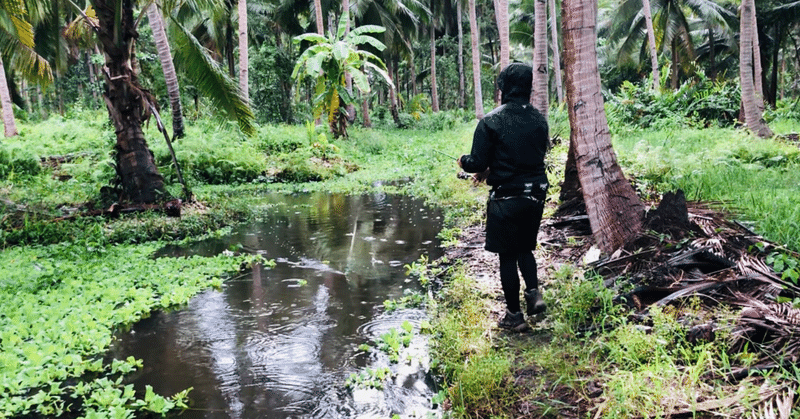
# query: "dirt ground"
687,250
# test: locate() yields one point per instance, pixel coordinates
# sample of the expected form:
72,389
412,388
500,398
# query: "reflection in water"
280,342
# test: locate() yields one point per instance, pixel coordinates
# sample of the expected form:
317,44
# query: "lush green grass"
756,179
49,264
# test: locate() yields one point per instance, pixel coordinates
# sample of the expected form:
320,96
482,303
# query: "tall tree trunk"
752,113
476,60
392,94
434,89
539,98
556,52
461,82
615,211
675,64
168,67
758,72
501,14
772,97
651,41
9,123
712,54
318,16
127,103
244,53
348,79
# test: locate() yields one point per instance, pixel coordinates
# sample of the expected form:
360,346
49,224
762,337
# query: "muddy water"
280,342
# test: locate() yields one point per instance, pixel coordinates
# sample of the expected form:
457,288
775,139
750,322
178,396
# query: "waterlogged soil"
281,341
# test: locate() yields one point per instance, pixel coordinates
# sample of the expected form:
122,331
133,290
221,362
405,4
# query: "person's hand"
477,178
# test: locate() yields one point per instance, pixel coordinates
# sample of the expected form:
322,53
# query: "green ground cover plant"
50,266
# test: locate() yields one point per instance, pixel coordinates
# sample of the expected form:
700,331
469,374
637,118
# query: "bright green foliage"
328,60
698,102
754,178
65,303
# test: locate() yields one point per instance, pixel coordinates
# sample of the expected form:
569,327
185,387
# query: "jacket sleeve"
482,150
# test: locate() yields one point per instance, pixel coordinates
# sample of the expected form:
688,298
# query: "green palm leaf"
210,79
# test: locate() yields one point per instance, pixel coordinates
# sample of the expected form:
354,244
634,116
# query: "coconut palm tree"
168,67
17,40
539,98
747,74
615,211
476,59
129,105
651,42
244,61
501,15
556,51
671,25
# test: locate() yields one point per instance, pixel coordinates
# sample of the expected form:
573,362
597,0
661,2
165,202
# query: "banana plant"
327,60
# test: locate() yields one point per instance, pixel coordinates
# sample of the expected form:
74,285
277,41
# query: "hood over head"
515,82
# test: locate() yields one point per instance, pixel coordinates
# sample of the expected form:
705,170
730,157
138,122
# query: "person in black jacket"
508,150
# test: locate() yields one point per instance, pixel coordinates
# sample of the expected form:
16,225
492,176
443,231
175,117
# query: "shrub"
18,161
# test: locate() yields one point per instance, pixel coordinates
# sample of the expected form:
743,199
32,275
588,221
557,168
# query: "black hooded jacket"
512,139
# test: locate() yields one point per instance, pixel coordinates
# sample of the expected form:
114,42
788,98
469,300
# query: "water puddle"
281,342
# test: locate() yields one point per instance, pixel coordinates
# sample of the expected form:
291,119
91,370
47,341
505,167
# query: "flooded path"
281,342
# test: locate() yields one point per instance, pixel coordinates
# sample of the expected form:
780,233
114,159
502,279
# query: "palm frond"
16,12
25,60
210,79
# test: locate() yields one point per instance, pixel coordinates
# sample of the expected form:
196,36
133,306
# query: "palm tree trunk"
348,79
9,124
168,67
434,89
615,211
461,82
318,16
501,14
752,113
675,64
556,53
651,41
712,54
539,98
476,60
127,104
758,72
244,56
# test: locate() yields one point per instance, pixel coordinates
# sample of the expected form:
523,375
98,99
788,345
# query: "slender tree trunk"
675,64
501,14
392,94
476,60
752,111
168,67
615,211
244,53
772,97
434,89
651,41
712,54
461,82
9,123
229,50
758,72
127,104
539,98
556,52
348,79
318,16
